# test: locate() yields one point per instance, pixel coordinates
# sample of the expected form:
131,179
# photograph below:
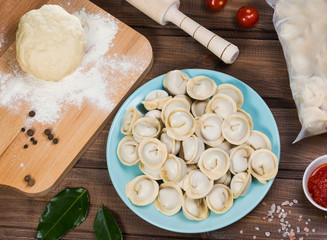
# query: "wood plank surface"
261,65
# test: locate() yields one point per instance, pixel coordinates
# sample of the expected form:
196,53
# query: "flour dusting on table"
50,100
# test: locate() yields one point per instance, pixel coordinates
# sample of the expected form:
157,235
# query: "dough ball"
50,43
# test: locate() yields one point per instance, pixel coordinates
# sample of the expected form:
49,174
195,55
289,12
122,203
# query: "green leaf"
66,210
105,226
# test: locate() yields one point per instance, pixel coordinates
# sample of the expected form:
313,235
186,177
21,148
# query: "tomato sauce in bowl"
317,185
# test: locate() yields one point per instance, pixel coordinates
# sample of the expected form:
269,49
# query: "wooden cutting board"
45,162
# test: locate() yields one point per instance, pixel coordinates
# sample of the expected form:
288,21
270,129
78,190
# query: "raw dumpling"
171,105
197,184
209,129
170,199
127,151
156,100
258,140
201,87
130,117
220,199
185,97
240,184
180,124
222,105
239,158
173,146
198,108
236,129
226,146
191,149
175,82
151,173
314,92
152,153
225,179
146,127
173,170
195,209
231,91
214,163
142,190
246,115
313,120
155,114
189,168
263,165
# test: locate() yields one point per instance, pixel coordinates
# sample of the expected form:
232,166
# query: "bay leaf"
65,211
105,226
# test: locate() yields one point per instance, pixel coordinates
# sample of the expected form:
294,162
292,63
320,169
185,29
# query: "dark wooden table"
262,66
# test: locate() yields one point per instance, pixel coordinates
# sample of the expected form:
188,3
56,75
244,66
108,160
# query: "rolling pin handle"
223,49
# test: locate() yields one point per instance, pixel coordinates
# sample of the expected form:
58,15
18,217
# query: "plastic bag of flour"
301,26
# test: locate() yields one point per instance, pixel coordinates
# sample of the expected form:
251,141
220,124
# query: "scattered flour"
50,100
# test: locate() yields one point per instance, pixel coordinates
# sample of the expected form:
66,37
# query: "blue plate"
120,174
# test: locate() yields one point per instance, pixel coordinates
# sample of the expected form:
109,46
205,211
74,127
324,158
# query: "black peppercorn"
50,136
25,146
47,131
32,139
31,182
34,142
23,129
31,114
30,132
27,178
55,140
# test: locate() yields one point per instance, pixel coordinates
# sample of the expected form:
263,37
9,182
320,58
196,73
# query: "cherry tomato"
247,16
216,5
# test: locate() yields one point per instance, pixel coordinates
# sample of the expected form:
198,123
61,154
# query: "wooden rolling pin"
164,11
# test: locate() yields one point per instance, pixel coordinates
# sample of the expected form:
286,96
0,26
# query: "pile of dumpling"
191,142
301,27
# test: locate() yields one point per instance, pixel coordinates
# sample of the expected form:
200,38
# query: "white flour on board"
50,100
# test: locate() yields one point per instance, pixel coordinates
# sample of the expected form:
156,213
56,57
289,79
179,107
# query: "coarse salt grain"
257,228
301,238
295,201
89,82
273,207
313,230
306,229
267,234
241,231
297,229
254,237
285,203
